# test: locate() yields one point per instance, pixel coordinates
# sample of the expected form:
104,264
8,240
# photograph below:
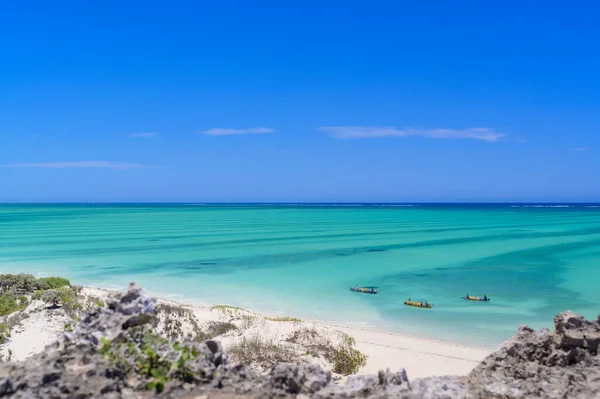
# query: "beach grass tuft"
227,307
347,359
284,319
261,351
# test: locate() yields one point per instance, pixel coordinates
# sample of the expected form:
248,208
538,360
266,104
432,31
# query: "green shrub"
9,304
92,302
37,295
71,303
76,289
18,282
53,297
4,333
65,297
54,282
27,283
23,301
153,358
346,359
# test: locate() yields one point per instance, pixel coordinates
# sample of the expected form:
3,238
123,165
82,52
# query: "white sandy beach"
419,356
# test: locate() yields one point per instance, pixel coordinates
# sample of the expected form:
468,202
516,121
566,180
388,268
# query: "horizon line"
300,202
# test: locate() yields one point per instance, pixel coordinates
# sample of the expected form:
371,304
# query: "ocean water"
532,261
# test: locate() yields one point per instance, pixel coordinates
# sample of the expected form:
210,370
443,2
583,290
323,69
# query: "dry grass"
345,359
173,319
227,307
247,322
284,319
215,329
92,302
233,312
264,352
312,343
16,318
179,323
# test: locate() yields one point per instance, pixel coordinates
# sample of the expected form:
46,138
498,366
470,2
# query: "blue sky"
299,101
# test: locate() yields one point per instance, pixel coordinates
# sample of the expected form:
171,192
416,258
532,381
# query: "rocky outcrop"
563,364
112,353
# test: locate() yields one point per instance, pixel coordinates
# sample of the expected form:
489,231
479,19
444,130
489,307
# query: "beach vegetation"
284,319
23,301
9,303
66,297
4,333
77,289
170,309
215,329
15,319
18,283
28,284
53,297
231,311
261,351
247,322
315,343
37,295
92,302
154,358
72,304
344,358
227,307
15,289
347,359
50,283
175,321
218,328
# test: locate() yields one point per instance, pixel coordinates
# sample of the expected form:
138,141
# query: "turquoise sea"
532,260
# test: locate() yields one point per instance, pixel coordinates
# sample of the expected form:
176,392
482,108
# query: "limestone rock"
563,364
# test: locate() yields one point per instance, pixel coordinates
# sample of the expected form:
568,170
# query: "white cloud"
143,135
360,132
579,149
85,164
227,132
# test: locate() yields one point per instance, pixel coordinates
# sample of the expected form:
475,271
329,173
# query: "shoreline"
420,356
180,300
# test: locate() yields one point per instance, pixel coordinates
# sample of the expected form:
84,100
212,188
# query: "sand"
419,356
35,332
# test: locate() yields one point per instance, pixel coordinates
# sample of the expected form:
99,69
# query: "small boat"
419,304
476,298
365,290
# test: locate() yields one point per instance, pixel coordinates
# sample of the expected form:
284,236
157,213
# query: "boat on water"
365,290
476,298
419,304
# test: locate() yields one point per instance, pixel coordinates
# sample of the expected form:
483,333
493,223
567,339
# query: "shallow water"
300,260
